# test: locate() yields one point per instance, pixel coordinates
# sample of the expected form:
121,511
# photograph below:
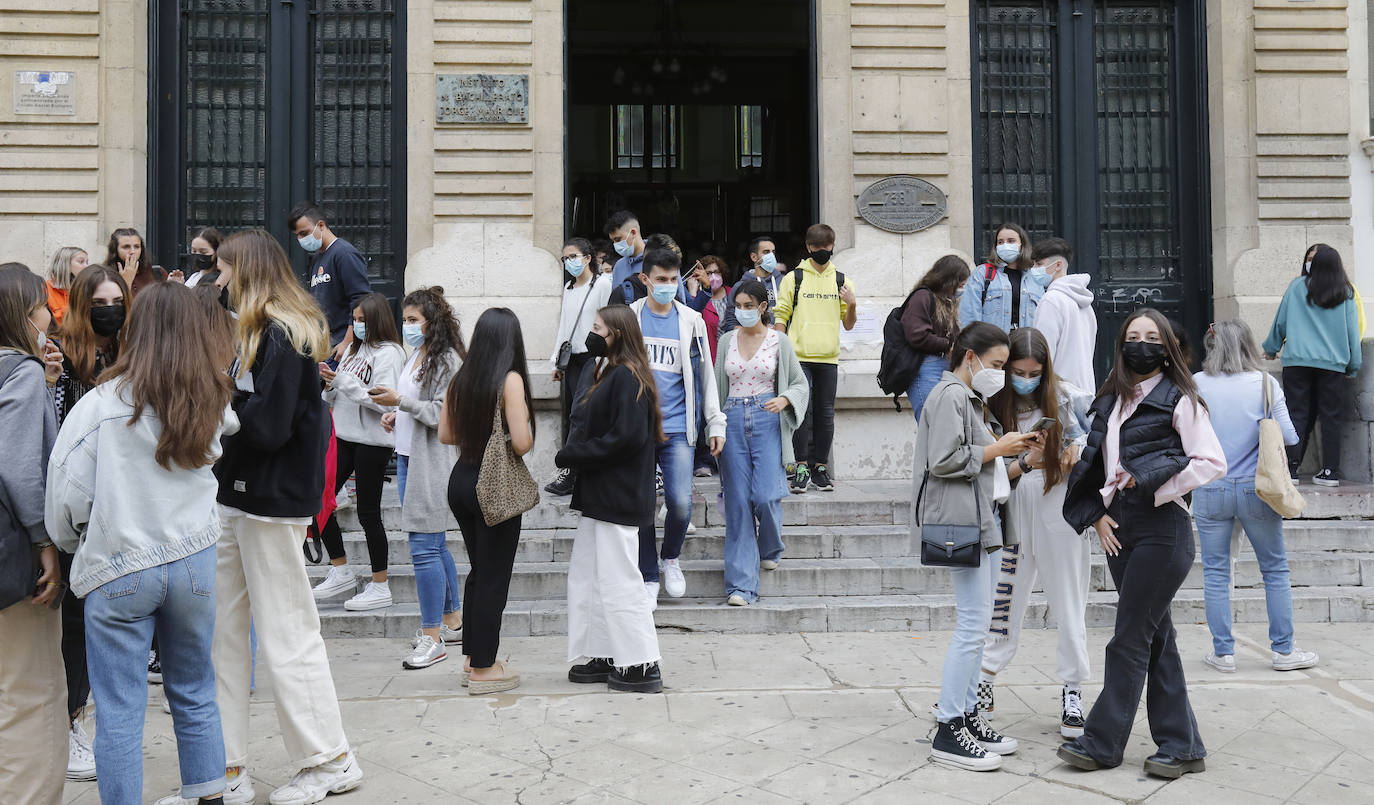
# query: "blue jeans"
178,599
973,588
1215,507
754,485
436,576
926,379
675,458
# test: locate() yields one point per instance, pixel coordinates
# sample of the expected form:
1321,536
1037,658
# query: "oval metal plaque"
902,204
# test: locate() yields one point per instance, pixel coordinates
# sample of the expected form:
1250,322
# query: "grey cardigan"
425,509
952,412
788,382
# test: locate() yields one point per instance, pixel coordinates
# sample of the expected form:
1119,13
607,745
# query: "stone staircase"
848,568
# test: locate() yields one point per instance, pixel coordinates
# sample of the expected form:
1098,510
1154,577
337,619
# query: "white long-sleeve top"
574,327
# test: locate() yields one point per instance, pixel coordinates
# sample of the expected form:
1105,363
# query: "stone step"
871,576
917,613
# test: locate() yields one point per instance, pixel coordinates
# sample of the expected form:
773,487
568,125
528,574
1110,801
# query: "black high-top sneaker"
597,669
1071,713
1327,477
953,745
991,739
637,679
563,484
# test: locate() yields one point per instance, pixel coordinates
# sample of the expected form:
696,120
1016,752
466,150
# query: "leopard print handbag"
505,488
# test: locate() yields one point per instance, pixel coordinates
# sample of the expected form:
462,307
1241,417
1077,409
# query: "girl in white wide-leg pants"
608,612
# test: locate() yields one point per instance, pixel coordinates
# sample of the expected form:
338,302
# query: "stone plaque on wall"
44,93
902,204
482,98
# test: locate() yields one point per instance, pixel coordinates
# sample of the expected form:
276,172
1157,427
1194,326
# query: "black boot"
1161,765
597,669
637,679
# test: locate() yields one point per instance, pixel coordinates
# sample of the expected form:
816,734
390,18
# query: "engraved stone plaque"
482,98
902,204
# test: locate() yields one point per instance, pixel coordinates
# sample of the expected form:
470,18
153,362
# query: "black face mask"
201,262
107,320
596,345
1142,357
224,298
821,256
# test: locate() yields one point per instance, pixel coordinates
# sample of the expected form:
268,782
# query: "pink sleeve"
1207,461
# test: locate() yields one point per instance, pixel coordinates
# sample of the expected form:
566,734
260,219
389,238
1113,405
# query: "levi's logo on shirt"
665,354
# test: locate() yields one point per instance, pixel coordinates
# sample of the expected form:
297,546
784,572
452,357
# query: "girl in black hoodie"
610,619
270,478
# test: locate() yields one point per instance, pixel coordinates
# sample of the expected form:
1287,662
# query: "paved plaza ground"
816,718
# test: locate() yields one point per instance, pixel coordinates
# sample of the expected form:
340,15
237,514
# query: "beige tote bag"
1272,482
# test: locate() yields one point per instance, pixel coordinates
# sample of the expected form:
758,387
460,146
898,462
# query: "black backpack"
899,362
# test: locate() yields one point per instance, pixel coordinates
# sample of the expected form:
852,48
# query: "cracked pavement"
819,718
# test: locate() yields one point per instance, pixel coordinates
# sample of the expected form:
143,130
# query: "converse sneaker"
637,679
953,745
651,590
375,595
80,756
991,739
1071,713
339,580
1327,477
820,479
562,485
317,782
428,651
986,704
801,478
154,668
238,790
674,583
597,669
1295,660
1226,663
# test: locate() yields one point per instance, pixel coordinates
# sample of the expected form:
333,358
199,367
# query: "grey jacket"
952,413
28,428
425,509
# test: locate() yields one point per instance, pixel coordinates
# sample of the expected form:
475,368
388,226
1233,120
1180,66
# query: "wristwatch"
47,543
1023,464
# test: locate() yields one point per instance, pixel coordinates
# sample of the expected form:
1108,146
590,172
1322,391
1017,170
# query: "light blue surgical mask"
747,318
663,294
1039,276
1024,385
310,243
413,333
574,266
624,248
360,331
1008,252
769,263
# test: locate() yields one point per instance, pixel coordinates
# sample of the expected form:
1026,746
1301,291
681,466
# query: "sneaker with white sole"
1226,663
1295,660
1071,713
312,785
428,651
991,739
238,791
987,705
80,755
768,564
375,595
737,600
674,583
1327,477
953,745
651,590
447,636
339,580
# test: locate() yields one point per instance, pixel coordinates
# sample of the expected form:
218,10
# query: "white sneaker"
768,564
737,600
238,791
376,595
428,651
651,589
674,583
1226,663
447,636
80,755
1294,660
317,782
339,580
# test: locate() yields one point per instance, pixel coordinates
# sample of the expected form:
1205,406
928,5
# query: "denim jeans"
675,458
1156,554
1215,507
926,379
178,599
973,589
436,576
754,485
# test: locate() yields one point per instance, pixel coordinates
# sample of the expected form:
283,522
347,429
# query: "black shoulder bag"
565,348
951,544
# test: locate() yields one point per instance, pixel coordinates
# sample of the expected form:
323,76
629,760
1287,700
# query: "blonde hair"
266,293
60,270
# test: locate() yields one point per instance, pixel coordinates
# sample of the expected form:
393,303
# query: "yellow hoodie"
814,326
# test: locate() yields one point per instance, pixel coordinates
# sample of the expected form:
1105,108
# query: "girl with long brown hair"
127,254
270,478
1150,445
1001,290
1036,399
131,492
90,334
930,323
610,618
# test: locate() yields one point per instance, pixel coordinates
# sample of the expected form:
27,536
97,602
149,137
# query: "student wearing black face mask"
1151,444
201,258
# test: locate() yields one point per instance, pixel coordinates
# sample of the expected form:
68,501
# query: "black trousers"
491,552
74,642
1314,394
1156,554
572,381
369,462
812,441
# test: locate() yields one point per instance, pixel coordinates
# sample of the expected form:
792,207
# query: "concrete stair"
848,567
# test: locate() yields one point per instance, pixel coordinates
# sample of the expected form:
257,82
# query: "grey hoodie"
1067,319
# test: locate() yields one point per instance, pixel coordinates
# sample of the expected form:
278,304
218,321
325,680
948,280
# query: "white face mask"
986,381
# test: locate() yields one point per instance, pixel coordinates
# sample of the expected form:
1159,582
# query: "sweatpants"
1314,395
1050,550
608,614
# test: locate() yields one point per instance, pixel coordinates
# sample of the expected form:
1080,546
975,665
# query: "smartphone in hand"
1045,423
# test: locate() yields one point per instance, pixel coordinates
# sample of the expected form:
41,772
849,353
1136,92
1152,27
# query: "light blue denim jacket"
997,308
112,505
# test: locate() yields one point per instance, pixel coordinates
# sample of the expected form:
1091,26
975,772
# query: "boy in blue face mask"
338,272
1065,314
675,338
